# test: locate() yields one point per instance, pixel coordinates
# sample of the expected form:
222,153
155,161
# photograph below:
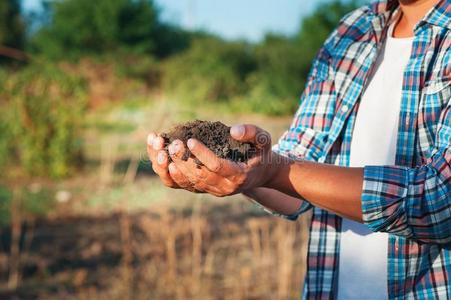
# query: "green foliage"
85,27
11,24
141,67
12,27
264,78
41,108
5,132
31,202
36,202
318,26
210,70
171,40
275,85
5,205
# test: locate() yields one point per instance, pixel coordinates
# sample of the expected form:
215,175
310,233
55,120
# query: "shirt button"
407,120
345,108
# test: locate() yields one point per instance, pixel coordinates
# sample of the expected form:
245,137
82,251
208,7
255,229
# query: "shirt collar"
440,14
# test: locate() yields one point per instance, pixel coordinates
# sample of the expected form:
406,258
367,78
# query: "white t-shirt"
363,253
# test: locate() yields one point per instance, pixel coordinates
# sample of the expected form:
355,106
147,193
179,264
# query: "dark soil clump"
215,135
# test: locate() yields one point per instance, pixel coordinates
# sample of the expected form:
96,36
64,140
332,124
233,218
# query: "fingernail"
177,146
190,143
171,149
150,138
237,131
161,157
174,147
172,168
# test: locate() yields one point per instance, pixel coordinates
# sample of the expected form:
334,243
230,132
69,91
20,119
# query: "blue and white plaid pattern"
412,200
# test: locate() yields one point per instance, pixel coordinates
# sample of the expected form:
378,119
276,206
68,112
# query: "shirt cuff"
384,188
292,217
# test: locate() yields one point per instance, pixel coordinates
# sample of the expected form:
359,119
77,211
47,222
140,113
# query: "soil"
215,135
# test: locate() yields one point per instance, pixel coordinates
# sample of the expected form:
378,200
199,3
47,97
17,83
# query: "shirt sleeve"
305,206
413,202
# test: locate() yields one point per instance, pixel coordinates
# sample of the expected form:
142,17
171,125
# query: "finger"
160,166
210,160
150,138
216,191
197,175
252,134
209,178
150,150
178,177
158,143
206,181
187,167
182,181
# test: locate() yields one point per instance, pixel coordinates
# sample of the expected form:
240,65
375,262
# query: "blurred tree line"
42,103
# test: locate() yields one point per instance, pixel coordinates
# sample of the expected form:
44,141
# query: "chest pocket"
434,98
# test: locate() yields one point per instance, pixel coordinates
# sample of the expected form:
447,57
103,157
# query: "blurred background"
82,82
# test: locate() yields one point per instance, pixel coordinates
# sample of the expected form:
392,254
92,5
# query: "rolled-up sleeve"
413,202
304,206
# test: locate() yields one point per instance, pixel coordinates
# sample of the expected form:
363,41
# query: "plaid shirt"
412,200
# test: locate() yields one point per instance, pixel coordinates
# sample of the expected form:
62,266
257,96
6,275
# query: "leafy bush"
210,70
5,204
275,85
41,108
142,67
32,202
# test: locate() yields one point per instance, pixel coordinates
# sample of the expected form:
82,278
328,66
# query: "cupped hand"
223,177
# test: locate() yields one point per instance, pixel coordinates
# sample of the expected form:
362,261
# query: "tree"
86,27
12,29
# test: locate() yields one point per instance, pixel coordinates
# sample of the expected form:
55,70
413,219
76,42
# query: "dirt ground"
219,252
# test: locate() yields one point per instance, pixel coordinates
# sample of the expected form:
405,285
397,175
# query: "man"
370,143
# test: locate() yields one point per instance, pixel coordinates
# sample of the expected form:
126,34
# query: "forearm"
274,200
333,188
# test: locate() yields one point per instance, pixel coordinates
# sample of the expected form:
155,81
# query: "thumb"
251,134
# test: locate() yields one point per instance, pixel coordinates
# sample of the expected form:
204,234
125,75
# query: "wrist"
277,168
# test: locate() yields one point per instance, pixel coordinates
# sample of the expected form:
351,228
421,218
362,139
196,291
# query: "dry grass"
208,252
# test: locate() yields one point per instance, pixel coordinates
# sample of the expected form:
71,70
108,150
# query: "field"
114,232
221,251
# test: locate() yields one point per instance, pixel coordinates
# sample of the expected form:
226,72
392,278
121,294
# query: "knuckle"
150,151
180,180
155,168
219,195
199,187
216,166
229,190
200,174
169,184
194,180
